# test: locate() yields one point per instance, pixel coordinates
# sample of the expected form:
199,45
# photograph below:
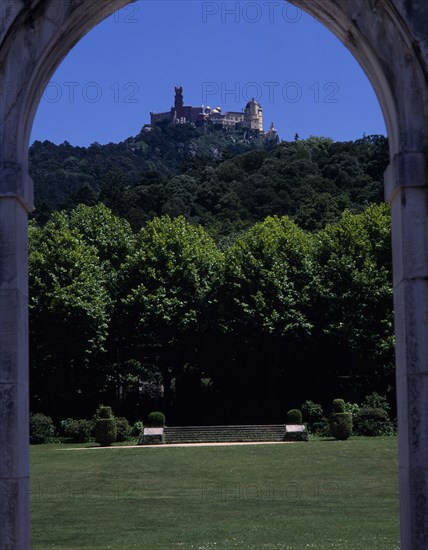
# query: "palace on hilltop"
250,118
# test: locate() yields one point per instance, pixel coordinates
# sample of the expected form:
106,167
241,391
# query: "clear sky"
223,53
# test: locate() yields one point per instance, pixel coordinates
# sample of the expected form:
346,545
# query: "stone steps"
224,434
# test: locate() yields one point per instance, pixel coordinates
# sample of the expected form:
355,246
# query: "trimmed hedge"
372,421
76,431
105,431
41,428
156,420
341,425
294,416
105,426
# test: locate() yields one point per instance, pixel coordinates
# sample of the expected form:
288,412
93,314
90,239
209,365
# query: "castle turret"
179,100
272,134
253,116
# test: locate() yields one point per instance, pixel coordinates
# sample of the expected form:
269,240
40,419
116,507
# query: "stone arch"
40,35
386,39
35,36
389,38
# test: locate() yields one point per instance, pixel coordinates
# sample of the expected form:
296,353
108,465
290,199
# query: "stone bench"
152,436
296,432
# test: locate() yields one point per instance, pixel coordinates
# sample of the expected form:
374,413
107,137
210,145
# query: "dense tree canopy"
209,272
69,315
173,170
171,277
265,300
268,274
355,300
276,315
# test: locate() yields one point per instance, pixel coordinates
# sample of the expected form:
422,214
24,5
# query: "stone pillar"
408,194
35,36
14,421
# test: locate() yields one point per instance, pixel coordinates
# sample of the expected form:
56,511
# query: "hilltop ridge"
224,179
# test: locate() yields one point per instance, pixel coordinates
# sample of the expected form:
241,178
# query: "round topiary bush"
294,416
123,429
156,420
338,406
341,425
41,428
104,412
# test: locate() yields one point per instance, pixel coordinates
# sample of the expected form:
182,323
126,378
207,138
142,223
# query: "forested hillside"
225,181
213,275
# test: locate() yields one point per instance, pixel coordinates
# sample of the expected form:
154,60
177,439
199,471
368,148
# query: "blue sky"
223,53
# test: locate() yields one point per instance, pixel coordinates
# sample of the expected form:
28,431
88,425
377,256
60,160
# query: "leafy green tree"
171,274
85,195
111,235
353,308
69,316
113,239
268,274
266,300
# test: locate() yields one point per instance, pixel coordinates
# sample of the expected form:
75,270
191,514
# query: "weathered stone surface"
410,234
296,432
14,437
390,40
153,431
16,183
380,37
14,517
35,36
152,436
293,428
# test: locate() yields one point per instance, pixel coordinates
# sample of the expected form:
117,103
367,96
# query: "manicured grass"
317,495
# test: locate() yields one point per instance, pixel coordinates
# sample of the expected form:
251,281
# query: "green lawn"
317,495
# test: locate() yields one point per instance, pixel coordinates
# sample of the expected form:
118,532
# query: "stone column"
408,194
14,448
35,36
